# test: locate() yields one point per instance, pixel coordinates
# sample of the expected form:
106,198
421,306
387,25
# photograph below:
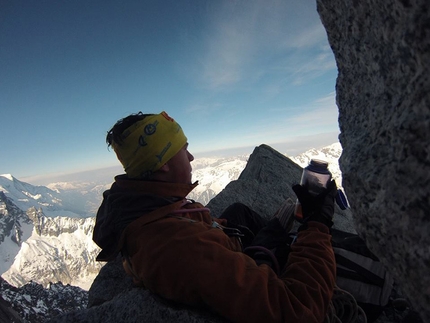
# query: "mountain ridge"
25,196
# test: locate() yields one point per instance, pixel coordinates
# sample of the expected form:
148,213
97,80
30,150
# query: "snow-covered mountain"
213,174
36,244
85,196
41,248
38,248
53,203
15,227
59,249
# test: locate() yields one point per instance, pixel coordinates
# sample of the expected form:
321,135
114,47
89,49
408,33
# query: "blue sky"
232,73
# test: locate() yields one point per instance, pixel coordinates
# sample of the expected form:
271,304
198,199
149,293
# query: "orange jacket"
185,258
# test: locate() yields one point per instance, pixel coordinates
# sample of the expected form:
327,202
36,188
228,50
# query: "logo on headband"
151,128
142,141
163,152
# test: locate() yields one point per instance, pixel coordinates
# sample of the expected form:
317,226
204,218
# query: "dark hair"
115,134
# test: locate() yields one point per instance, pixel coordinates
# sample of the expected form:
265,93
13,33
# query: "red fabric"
187,260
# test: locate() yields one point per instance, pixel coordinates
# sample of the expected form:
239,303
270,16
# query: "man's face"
180,166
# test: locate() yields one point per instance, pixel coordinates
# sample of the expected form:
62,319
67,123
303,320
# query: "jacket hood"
127,200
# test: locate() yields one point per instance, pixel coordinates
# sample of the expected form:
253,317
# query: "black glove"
318,208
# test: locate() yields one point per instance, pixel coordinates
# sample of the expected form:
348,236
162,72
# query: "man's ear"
164,169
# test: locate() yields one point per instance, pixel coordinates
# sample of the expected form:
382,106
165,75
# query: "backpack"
360,273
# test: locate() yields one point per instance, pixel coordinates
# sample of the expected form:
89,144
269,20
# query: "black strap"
367,276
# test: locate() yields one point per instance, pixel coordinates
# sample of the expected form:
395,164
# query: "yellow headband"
149,144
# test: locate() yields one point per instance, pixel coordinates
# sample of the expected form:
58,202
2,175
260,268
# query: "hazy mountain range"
46,231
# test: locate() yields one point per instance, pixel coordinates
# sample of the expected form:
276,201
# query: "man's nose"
190,156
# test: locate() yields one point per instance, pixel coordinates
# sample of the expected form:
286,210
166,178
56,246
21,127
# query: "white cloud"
312,36
227,52
247,40
313,67
277,125
318,116
233,128
322,113
225,59
203,108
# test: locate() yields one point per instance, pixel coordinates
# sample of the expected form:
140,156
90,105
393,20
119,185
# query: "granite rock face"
263,185
113,299
382,50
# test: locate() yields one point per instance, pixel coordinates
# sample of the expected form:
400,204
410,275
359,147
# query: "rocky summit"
382,51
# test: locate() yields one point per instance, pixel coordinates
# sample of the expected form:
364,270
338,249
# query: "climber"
176,249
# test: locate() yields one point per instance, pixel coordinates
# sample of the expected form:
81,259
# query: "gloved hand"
318,208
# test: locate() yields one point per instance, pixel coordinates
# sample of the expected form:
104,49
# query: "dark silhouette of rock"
111,281
7,313
382,50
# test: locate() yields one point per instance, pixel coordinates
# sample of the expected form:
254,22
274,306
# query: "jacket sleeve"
200,267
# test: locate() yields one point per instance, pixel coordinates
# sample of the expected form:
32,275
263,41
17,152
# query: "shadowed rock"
8,314
382,50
